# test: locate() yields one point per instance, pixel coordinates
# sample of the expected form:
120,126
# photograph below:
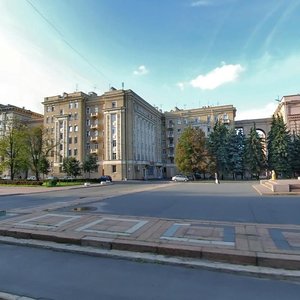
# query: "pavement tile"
241,242
255,244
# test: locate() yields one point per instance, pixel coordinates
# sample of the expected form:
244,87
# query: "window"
88,122
75,140
88,146
61,112
114,168
88,110
70,128
60,146
70,105
61,136
114,143
113,117
48,109
70,152
88,133
76,128
70,140
114,104
114,155
76,105
52,108
76,116
47,120
75,152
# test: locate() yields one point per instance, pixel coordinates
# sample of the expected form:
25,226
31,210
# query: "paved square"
201,234
47,221
114,226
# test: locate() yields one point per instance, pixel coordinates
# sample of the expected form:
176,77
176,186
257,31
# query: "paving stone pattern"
243,243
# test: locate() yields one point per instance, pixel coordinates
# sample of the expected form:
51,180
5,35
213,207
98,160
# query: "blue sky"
184,53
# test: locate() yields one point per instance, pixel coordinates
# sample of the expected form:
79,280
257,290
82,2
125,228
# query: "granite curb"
231,256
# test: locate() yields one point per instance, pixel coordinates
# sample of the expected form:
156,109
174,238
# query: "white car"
180,178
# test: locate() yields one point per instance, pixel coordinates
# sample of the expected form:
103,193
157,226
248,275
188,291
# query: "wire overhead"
63,38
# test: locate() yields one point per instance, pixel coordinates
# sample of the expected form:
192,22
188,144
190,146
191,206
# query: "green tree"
279,147
192,154
71,166
255,160
218,145
90,164
14,154
236,145
43,165
295,155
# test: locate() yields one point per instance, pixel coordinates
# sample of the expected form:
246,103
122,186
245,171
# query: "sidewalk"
262,245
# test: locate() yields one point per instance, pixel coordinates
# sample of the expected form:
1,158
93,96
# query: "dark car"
105,178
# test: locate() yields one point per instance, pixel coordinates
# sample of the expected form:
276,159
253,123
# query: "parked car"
31,178
105,178
180,177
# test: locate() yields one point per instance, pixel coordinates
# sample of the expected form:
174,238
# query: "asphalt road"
46,274
237,202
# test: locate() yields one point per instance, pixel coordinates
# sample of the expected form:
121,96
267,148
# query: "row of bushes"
49,182
21,182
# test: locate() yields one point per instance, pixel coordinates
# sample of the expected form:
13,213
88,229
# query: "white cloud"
200,3
141,70
217,77
181,85
257,113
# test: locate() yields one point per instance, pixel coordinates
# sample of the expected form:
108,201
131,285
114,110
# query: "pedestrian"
216,178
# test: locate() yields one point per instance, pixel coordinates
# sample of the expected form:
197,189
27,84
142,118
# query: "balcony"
94,139
94,151
170,134
94,115
171,145
170,154
94,126
226,121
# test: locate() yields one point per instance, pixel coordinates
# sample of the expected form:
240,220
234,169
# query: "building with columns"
289,109
121,129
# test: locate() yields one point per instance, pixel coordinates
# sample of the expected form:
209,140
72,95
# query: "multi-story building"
9,112
289,109
120,128
178,119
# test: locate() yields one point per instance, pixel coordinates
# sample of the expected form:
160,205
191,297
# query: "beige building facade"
130,138
10,112
121,129
178,119
289,109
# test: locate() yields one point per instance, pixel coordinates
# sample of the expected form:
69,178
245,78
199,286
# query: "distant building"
9,112
204,118
130,138
289,109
